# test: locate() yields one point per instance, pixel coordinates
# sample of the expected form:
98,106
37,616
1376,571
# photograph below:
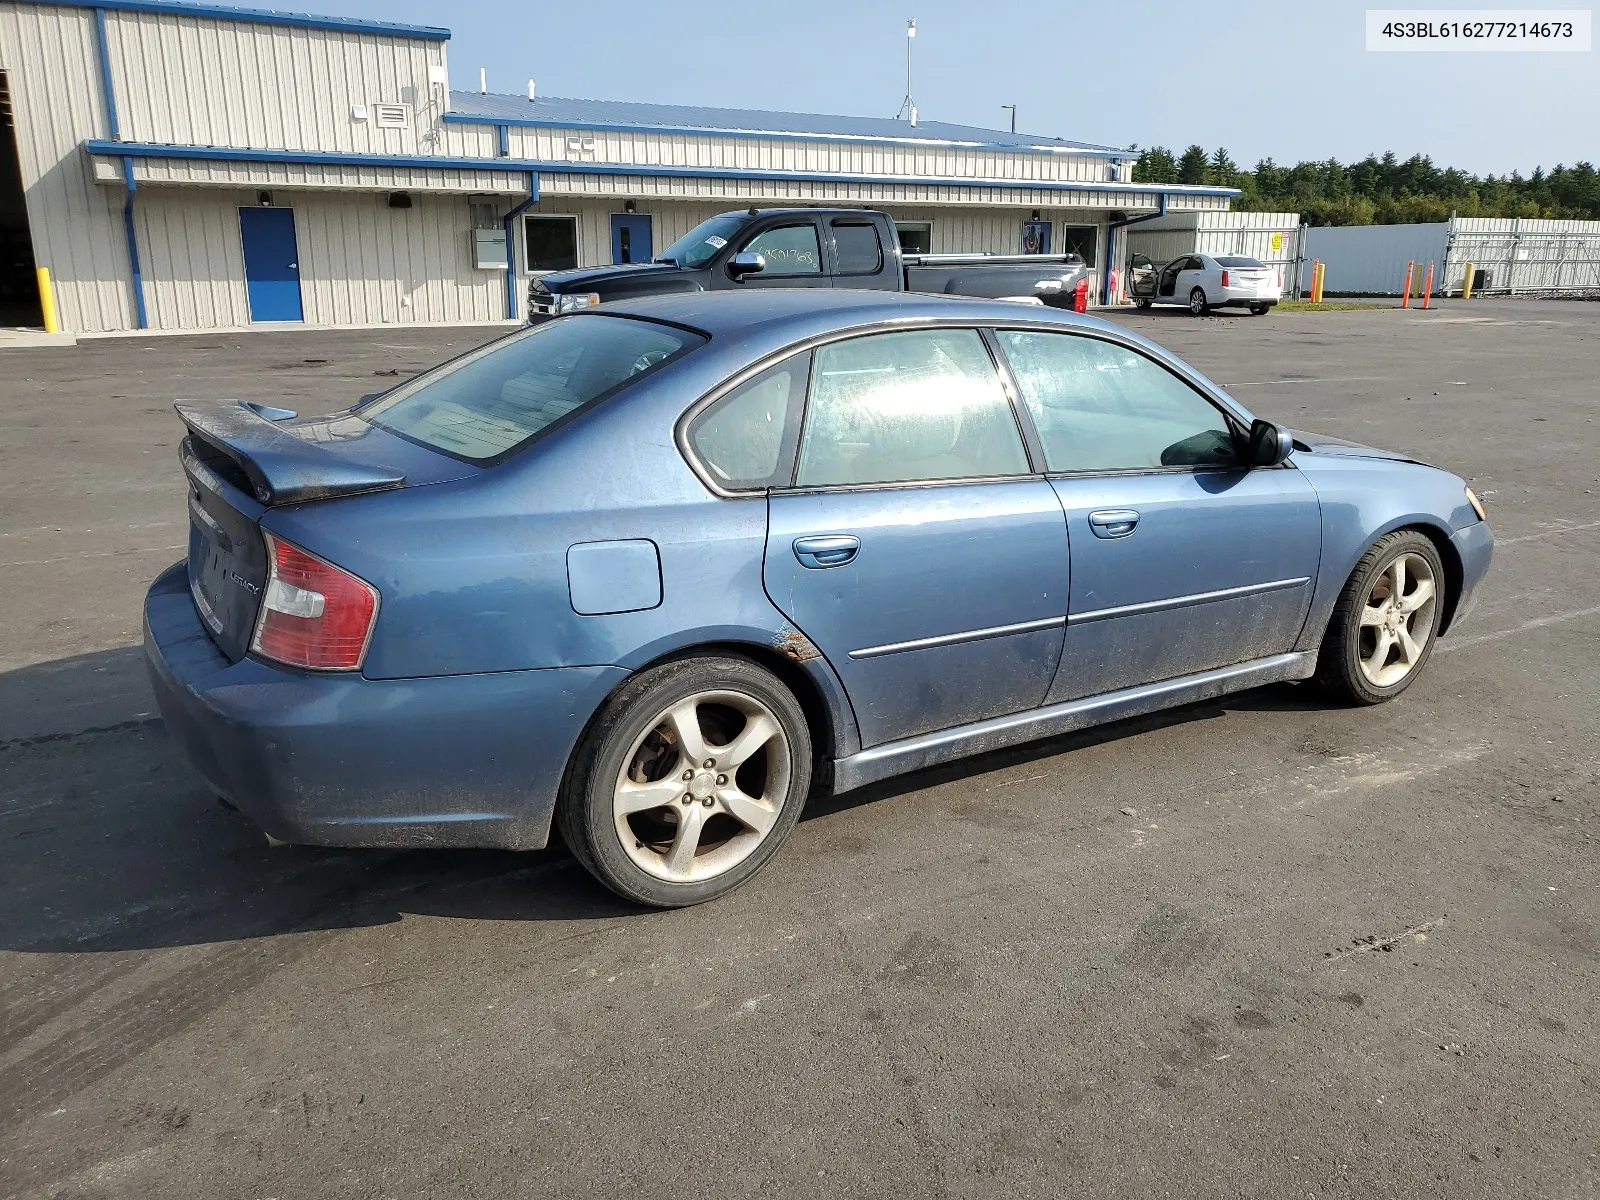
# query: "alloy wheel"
1397,620
702,787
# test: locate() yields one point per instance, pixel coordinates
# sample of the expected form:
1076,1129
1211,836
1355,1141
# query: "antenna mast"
908,108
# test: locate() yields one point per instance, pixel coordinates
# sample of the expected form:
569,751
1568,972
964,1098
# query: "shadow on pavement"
110,842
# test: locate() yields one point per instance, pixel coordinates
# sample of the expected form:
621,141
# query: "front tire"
1385,621
689,781
1141,303
1199,306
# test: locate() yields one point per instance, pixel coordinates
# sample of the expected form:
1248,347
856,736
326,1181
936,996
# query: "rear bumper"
340,760
1474,545
1231,299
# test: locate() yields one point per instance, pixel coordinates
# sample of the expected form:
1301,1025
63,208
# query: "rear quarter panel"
473,574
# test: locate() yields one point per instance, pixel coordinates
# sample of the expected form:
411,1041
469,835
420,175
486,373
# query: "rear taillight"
313,614
1224,279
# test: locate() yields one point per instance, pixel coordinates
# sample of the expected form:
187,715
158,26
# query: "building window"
1080,240
552,243
916,237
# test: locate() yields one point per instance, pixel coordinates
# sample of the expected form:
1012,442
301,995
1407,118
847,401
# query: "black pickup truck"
808,247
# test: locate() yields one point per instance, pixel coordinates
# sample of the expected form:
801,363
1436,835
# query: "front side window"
746,439
895,407
788,249
1099,406
552,243
487,403
857,248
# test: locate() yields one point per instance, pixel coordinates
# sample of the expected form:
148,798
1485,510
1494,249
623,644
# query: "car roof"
793,313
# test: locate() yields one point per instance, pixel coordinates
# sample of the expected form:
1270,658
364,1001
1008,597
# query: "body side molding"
945,745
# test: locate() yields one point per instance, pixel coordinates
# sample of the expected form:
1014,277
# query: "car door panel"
1183,572
947,603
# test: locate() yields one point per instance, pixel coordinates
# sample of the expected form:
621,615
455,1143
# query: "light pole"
908,107
1013,109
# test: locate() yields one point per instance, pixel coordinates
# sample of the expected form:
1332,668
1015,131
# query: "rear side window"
746,439
485,404
1102,407
788,249
894,407
858,249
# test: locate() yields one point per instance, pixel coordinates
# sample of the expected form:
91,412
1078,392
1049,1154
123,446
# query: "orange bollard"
1427,288
1405,301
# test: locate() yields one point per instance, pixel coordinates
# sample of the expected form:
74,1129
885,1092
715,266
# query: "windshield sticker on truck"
718,242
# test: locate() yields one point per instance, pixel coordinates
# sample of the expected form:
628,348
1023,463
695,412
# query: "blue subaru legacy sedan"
658,571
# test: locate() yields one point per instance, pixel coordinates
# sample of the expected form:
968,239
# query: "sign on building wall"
1036,237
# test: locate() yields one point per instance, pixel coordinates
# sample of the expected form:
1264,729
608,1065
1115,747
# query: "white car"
1201,283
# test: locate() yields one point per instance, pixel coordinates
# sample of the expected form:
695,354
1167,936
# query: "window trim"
527,243
1234,421
1232,410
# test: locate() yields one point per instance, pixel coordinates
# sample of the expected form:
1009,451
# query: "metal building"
1276,239
191,166
1508,256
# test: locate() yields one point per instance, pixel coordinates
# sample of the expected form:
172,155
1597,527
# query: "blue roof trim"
311,157
230,154
629,116
256,16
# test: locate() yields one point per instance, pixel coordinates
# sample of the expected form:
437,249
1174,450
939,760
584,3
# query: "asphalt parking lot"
1334,952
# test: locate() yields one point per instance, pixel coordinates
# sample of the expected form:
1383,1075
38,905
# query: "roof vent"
391,116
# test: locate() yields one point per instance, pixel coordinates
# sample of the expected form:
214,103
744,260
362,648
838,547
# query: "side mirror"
1270,444
746,262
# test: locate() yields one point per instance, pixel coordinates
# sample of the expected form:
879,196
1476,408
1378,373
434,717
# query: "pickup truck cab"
808,248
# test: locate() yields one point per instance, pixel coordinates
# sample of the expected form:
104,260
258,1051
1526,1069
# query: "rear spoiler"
281,468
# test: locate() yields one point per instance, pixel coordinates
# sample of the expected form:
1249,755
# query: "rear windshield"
1237,261
484,405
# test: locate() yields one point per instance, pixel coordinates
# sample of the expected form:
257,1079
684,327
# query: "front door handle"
826,550
1113,522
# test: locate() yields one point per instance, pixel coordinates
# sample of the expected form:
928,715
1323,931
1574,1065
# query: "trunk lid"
242,459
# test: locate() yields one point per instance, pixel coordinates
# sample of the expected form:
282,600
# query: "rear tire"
688,782
1199,306
1259,310
1385,621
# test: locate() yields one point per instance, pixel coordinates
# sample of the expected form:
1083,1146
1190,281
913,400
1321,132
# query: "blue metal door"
936,605
1177,572
271,264
630,239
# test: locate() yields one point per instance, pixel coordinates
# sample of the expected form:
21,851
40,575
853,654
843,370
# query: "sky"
1286,80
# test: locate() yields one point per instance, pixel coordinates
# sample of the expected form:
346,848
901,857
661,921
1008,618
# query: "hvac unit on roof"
391,116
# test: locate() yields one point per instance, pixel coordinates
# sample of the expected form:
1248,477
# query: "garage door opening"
19,285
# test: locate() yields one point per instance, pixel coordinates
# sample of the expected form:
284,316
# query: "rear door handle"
1113,522
826,550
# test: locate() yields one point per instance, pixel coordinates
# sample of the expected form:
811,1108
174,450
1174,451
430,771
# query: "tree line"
1380,190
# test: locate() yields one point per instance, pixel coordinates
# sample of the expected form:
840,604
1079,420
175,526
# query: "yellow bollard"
1466,284
47,302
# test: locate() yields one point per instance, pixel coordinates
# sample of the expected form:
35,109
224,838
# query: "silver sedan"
1202,282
